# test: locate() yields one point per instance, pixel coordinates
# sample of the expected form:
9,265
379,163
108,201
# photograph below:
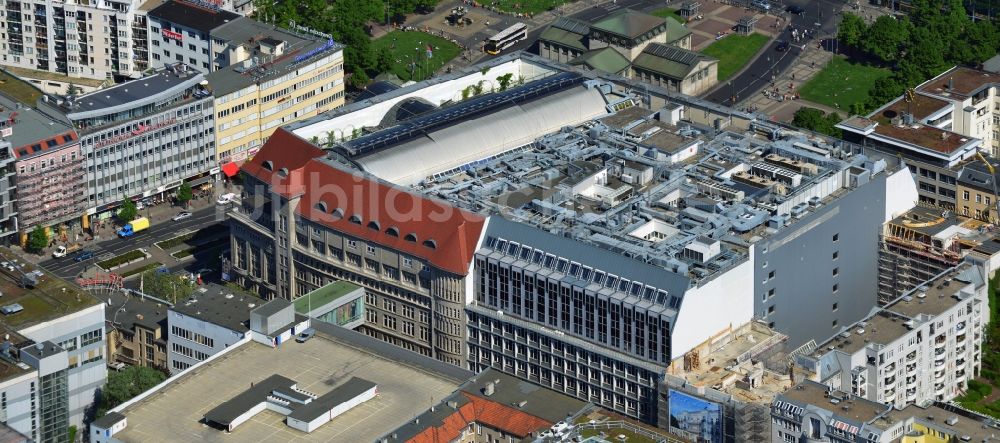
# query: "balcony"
939,389
960,338
911,394
890,380
960,327
960,373
911,368
891,392
890,367
939,373
960,364
911,356
911,380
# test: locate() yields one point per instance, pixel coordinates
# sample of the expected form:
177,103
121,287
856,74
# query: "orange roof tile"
485,412
365,207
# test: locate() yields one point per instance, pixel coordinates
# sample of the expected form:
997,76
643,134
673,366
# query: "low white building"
206,323
923,347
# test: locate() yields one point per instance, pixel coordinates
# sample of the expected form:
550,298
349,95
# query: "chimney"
488,390
951,83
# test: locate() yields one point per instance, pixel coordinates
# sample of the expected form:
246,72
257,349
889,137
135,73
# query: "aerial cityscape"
540,221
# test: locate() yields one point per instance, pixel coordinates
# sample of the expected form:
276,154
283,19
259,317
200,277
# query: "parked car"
83,256
182,216
782,46
305,335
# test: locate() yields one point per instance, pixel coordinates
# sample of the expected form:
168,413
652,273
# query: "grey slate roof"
272,307
241,31
192,16
225,413
213,306
324,403
596,257
108,420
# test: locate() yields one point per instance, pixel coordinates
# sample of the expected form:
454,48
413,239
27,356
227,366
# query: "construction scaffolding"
912,250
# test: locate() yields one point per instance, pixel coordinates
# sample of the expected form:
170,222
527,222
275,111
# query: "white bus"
507,38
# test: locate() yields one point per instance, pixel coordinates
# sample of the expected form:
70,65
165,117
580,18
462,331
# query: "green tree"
883,90
359,79
383,60
816,120
184,194
926,52
128,211
166,286
885,38
504,81
808,118
38,239
852,29
122,386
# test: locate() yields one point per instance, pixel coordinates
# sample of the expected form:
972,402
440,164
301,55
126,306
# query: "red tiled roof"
487,413
59,140
366,207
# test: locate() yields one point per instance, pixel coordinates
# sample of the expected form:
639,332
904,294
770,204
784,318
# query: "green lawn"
734,51
842,83
668,12
612,434
411,47
528,6
20,90
134,254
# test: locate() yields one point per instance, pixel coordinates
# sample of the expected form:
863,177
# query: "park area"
527,7
409,53
734,51
668,12
842,83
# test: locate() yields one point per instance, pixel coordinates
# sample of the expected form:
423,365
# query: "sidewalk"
806,67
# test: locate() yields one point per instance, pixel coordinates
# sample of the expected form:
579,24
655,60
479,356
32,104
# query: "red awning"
231,169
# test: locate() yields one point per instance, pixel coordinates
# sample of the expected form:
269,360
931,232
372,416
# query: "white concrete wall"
84,379
18,392
901,193
437,94
222,338
702,315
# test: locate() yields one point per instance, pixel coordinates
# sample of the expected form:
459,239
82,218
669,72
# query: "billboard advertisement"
695,418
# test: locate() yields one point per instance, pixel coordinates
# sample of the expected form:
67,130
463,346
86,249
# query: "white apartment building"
923,347
93,40
962,100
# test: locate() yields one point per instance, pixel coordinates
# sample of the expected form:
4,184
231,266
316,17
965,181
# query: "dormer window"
430,243
283,172
268,165
392,231
337,213
355,219
411,237
321,206
373,225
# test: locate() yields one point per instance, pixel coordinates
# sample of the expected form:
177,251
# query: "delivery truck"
138,225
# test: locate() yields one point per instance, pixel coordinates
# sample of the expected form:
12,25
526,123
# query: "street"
820,17
161,229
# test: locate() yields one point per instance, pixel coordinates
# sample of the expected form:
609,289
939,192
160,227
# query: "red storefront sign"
174,35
